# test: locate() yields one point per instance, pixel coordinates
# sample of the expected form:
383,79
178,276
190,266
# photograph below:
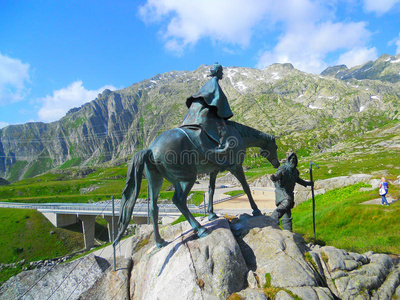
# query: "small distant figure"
285,179
383,190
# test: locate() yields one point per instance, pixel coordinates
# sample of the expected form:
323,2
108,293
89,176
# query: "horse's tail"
131,190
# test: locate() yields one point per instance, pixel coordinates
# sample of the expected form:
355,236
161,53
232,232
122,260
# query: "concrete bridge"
64,214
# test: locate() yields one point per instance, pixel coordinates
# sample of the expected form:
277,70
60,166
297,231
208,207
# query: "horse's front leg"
211,190
239,174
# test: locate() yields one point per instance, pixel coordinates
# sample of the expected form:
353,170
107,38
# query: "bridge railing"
105,208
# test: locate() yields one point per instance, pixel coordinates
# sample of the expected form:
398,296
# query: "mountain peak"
385,68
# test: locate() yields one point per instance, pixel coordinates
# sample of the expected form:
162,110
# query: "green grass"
17,170
343,222
71,163
66,187
183,219
197,198
234,193
271,291
27,235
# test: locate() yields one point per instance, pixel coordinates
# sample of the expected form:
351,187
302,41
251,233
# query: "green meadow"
341,220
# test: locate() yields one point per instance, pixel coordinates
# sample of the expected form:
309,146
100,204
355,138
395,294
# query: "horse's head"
269,151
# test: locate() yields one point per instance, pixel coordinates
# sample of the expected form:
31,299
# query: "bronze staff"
313,198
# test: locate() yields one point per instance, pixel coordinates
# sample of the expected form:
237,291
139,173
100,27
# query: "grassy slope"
342,221
25,234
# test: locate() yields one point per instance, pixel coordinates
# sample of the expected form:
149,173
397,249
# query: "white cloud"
379,7
398,46
396,41
13,76
230,21
307,45
357,56
3,124
306,36
227,21
56,106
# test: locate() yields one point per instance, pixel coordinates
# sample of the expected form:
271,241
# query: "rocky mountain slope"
310,112
385,68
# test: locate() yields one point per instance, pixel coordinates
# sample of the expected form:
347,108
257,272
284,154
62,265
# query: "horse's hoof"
257,212
161,244
202,232
212,216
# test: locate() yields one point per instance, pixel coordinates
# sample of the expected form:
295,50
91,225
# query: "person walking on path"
383,190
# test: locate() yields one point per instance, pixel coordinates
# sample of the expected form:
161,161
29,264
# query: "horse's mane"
249,131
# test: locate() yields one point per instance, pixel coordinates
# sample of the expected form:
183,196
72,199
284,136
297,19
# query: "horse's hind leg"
154,181
182,190
211,190
239,174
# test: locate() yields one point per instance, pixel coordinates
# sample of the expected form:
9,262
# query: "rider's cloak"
214,96
208,109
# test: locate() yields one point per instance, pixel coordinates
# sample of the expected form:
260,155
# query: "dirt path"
378,201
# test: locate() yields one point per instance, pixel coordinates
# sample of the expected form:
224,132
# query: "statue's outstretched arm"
304,183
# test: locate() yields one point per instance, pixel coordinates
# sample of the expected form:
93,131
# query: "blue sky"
56,55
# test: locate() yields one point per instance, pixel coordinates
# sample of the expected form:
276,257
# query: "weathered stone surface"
312,293
190,268
252,294
388,288
113,284
66,281
352,275
247,257
283,295
275,252
251,280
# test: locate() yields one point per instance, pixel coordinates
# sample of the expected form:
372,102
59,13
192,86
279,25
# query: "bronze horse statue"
176,156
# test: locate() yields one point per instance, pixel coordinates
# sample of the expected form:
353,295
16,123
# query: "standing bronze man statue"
285,180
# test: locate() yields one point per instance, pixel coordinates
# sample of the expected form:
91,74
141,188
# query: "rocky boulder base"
245,258
64,281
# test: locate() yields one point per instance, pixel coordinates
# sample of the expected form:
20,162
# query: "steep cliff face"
279,100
